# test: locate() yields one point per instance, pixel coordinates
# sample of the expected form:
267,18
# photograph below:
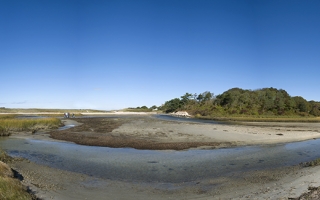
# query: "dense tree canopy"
236,101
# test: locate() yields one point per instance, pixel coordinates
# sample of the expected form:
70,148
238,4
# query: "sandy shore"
284,183
246,133
164,134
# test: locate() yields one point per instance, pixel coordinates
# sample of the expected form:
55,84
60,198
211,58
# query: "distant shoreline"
82,113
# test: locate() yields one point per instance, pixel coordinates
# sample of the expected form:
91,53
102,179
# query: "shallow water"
159,166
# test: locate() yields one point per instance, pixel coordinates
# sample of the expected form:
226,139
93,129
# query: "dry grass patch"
11,188
13,124
5,170
4,157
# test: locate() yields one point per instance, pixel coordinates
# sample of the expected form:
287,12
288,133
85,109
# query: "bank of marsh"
10,124
10,187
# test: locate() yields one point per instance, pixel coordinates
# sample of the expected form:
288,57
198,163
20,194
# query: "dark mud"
313,194
98,132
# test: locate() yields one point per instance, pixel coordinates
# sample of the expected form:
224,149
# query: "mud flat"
149,133
51,183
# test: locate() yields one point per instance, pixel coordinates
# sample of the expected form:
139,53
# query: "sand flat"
284,183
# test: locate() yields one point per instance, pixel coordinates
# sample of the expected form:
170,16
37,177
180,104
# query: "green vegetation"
14,124
7,116
238,104
4,157
142,109
263,118
10,188
312,163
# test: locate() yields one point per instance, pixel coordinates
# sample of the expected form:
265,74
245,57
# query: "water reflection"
159,166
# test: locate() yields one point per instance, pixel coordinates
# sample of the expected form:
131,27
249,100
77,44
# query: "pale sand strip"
244,134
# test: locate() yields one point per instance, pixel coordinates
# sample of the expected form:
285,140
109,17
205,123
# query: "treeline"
236,101
142,109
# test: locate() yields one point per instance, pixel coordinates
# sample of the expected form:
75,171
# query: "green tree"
301,104
153,107
144,107
263,101
207,96
200,98
315,108
186,98
172,105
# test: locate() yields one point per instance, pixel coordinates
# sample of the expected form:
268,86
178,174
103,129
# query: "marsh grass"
4,157
263,119
312,163
8,116
13,124
10,188
3,132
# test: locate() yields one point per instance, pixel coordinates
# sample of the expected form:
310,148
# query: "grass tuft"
14,124
312,163
7,116
4,157
10,188
3,132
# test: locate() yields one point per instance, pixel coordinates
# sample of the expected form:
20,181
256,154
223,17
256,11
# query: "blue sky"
115,54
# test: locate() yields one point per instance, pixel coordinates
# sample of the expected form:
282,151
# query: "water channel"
159,166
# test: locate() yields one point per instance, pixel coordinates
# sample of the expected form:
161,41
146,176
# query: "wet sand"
285,183
137,131
150,133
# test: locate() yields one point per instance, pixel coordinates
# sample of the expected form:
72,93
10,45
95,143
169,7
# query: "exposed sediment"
150,133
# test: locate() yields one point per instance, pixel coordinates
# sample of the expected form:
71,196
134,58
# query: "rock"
181,114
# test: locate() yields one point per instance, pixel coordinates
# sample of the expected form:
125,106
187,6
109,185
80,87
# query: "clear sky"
114,54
